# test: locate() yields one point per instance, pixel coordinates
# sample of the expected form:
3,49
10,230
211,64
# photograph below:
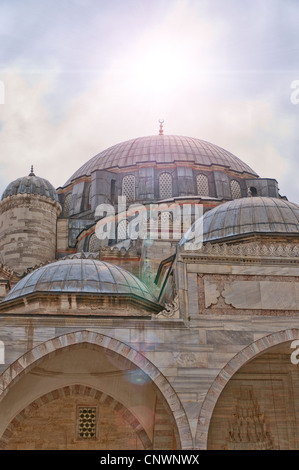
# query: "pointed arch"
247,354
77,390
30,359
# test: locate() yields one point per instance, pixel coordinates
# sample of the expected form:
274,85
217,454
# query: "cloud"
112,111
180,69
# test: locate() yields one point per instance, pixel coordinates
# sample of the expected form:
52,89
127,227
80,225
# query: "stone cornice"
47,303
35,200
280,252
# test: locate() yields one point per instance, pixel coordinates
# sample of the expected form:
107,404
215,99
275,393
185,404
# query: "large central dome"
163,149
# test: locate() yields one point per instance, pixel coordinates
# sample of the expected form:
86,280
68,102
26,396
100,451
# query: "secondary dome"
31,184
162,149
244,216
81,275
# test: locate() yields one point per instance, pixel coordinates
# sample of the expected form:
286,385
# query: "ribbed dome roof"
81,276
249,215
162,149
31,184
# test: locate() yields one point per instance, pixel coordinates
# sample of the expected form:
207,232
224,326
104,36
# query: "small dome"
81,275
249,215
31,184
161,149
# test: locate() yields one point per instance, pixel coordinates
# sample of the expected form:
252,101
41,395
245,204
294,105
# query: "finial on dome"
161,121
31,171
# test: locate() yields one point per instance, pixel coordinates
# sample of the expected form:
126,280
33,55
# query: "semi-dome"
163,149
240,217
79,276
31,184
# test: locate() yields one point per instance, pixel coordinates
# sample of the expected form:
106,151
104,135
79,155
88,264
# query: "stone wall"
52,423
28,230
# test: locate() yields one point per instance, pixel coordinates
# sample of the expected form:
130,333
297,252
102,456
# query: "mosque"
149,342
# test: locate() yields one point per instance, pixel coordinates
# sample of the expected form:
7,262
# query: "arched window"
112,191
202,185
165,186
89,197
94,243
67,205
128,187
122,230
165,217
253,190
235,189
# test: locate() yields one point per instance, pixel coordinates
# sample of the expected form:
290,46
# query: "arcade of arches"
88,397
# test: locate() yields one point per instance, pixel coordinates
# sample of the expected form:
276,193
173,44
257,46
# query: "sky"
78,76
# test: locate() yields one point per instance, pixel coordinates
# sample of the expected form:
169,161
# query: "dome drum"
145,185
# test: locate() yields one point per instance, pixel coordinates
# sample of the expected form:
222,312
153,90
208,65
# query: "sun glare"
161,68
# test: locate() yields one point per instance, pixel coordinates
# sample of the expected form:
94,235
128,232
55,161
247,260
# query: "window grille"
202,185
87,422
235,189
94,243
89,196
128,187
165,217
122,230
165,186
67,205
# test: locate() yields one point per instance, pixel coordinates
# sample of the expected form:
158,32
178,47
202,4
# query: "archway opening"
85,396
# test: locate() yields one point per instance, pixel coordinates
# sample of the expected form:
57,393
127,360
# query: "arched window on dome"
235,189
89,197
253,191
128,187
67,205
122,229
94,243
112,191
202,185
165,186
